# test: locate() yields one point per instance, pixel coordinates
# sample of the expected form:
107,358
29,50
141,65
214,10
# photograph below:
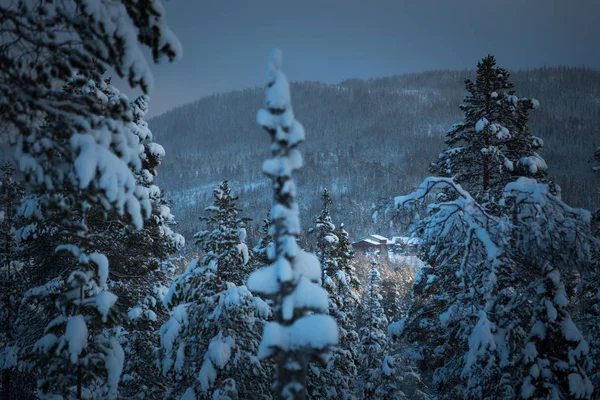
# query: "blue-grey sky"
226,42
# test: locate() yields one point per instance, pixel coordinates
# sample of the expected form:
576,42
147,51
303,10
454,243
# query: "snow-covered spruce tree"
401,378
134,253
553,239
320,380
93,171
591,299
461,299
373,339
209,344
75,351
327,242
591,295
223,241
474,304
391,299
590,316
346,277
82,164
493,142
337,378
300,332
589,303
346,302
12,283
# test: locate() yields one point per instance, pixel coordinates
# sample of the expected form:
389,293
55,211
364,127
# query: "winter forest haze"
299,199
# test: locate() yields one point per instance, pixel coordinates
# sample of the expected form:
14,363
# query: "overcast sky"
226,42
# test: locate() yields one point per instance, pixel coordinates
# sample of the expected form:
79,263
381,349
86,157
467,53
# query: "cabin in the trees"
371,243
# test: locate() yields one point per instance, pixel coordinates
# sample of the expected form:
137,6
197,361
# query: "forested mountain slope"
369,140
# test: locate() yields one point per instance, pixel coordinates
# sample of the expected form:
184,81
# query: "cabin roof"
379,237
369,241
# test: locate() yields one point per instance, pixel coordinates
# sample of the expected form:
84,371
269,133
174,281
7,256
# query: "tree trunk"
486,176
486,168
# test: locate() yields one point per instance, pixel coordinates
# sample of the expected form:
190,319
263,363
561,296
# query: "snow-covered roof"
379,237
369,241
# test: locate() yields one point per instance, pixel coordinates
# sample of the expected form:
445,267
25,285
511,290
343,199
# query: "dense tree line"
367,137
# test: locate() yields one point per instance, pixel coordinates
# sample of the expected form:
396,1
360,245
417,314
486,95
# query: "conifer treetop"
493,143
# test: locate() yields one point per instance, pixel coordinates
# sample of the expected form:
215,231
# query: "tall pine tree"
301,332
95,181
135,254
81,165
337,378
493,142
327,241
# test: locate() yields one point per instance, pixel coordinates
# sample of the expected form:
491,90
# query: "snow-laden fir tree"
82,164
301,331
327,241
589,302
402,378
12,282
223,242
589,298
391,298
209,344
320,382
493,142
553,240
134,253
76,351
455,293
473,302
473,314
372,382
337,378
95,179
345,276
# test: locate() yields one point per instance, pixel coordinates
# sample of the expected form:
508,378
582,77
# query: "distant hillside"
366,141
